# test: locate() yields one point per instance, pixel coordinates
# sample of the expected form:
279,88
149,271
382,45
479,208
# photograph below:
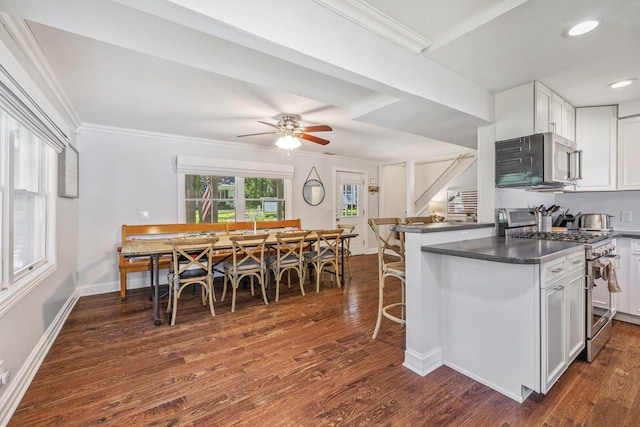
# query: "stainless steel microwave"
543,160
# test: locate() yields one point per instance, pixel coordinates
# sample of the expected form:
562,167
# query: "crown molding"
378,22
26,42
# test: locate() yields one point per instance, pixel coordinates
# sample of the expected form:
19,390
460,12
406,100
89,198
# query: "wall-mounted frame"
313,189
68,173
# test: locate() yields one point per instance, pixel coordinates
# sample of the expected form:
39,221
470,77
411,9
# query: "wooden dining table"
155,248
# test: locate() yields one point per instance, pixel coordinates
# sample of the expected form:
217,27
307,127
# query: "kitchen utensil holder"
544,223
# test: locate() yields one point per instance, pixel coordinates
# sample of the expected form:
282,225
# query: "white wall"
393,190
609,202
123,173
27,328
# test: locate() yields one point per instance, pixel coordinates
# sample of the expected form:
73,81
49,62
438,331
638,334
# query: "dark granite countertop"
626,233
442,226
503,249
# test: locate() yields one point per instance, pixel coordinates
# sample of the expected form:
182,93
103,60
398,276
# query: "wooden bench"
130,232
265,225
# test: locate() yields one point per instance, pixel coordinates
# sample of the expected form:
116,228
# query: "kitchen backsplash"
609,202
518,198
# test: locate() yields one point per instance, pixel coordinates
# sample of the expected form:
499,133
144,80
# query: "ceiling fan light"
583,28
288,142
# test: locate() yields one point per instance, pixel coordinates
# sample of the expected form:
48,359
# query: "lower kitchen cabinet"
628,273
562,315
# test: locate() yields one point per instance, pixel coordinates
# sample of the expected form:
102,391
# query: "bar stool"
385,237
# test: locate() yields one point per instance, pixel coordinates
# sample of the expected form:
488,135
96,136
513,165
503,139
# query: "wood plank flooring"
302,361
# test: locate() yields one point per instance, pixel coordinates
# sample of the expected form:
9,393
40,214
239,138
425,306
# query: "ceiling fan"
288,126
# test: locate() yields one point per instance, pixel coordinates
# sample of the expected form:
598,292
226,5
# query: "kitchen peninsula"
476,303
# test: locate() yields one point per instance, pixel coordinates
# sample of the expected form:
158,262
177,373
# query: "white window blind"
189,165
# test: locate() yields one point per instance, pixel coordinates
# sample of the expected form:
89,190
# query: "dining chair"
191,264
389,243
248,261
346,256
325,255
289,256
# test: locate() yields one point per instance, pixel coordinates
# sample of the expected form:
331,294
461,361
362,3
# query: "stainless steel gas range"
599,253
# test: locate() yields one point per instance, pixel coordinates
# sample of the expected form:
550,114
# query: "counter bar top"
442,226
506,250
626,233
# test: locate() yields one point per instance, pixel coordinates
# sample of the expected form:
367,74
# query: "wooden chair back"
248,252
328,243
386,237
190,256
290,243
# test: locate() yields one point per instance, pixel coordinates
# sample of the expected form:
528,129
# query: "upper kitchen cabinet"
596,136
569,122
553,113
629,153
532,108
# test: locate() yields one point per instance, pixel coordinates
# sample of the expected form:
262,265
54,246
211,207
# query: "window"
27,204
349,206
210,198
225,190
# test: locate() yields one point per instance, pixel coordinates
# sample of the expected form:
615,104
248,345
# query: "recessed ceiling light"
622,83
583,28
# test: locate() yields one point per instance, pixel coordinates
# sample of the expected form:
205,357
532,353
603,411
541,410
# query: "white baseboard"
629,318
107,287
20,382
422,364
517,395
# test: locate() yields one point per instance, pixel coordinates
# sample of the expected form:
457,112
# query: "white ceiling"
212,69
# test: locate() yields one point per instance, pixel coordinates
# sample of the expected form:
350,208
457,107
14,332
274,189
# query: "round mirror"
313,192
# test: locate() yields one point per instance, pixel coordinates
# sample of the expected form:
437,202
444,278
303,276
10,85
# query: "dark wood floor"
302,361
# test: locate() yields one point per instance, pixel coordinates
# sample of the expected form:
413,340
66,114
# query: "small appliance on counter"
596,222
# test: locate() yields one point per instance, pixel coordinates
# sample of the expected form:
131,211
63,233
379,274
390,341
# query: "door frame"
365,202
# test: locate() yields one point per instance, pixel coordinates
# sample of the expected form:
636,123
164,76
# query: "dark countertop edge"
626,233
440,226
501,259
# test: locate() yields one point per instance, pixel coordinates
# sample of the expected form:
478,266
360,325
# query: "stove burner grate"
579,237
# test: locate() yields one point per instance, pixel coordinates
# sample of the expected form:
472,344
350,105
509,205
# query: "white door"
350,206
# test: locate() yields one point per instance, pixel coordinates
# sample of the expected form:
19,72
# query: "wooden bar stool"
386,237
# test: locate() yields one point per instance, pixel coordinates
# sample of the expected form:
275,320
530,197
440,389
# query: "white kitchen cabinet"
562,316
554,330
553,113
634,284
543,110
627,302
569,122
532,108
629,153
596,136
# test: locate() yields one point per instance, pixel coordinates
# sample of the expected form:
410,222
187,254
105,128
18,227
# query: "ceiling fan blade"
261,133
269,124
313,139
320,128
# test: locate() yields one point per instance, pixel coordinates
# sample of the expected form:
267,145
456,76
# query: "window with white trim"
213,191
27,197
217,199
